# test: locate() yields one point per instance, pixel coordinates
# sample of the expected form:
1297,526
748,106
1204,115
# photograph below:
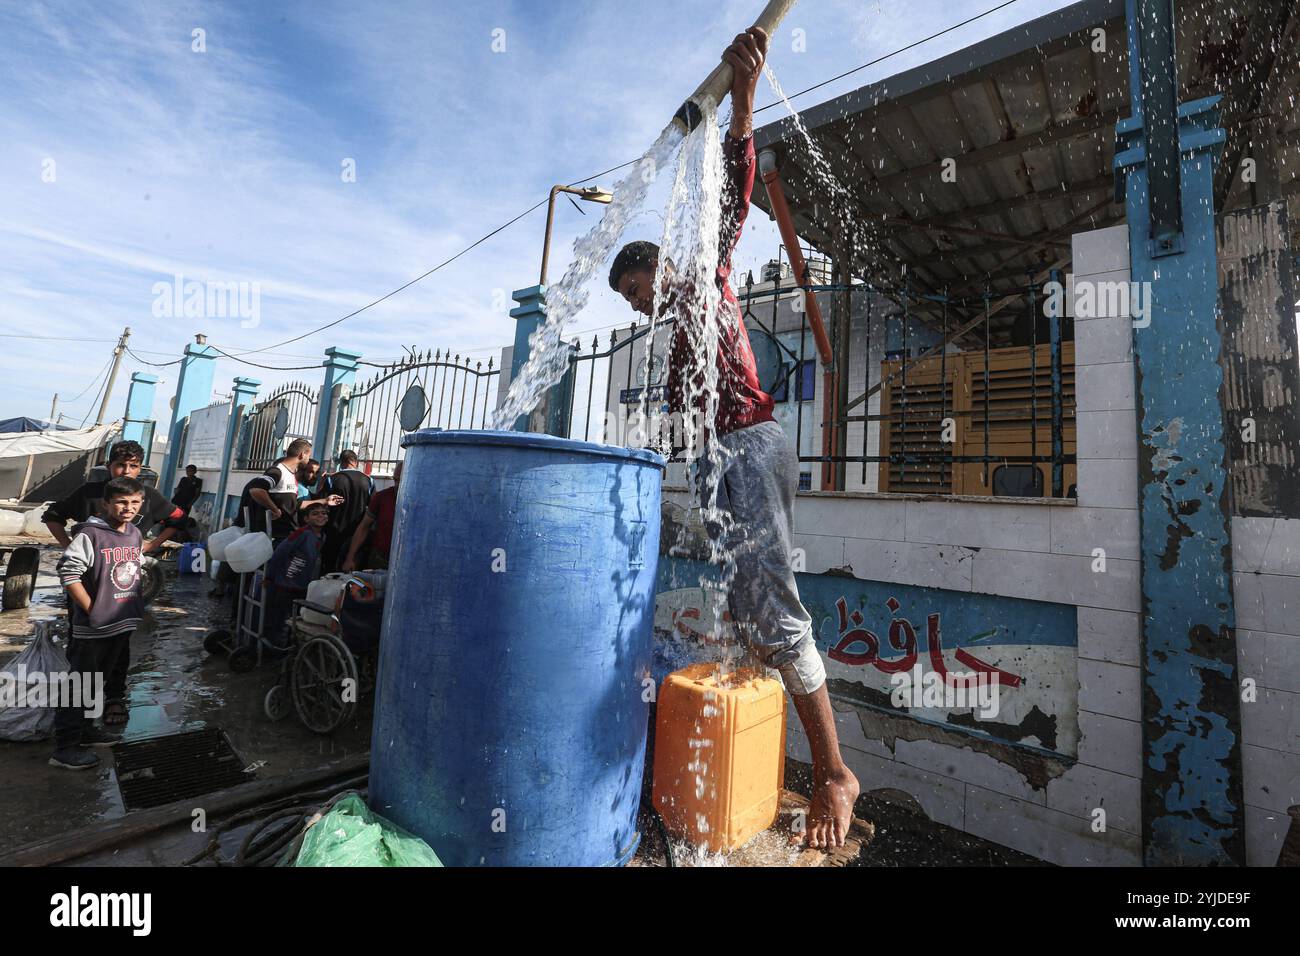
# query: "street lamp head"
596,194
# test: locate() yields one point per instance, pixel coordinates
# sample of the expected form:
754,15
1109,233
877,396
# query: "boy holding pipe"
759,472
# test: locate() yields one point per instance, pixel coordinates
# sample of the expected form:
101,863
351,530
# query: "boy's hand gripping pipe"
717,83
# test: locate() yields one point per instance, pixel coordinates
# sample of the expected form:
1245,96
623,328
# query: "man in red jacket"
754,478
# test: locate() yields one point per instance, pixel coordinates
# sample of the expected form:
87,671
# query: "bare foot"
831,812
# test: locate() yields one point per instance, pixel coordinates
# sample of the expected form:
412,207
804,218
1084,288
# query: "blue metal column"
340,369
1192,809
193,390
139,407
551,415
245,395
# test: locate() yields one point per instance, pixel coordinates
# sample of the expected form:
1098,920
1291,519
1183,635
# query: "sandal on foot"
115,714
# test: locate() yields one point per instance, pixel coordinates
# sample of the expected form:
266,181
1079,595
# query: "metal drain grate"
158,770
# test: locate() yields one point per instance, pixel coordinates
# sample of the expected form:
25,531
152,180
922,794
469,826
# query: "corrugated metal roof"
1028,117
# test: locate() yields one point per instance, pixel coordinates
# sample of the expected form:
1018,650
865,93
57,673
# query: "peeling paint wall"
1261,367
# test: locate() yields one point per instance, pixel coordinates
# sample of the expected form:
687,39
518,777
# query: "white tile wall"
1085,789
1106,635
901,562
1250,537
1111,743
1080,530
1272,720
1059,578
1281,597
942,798
1109,434
1282,552
821,552
1113,689
1271,778
1107,482
1015,527
1100,250
1265,832
1273,660
968,765
1104,387
1046,833
1103,342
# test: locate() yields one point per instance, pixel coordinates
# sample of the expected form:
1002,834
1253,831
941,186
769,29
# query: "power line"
881,59
504,226
154,364
51,338
86,417
274,368
74,401
538,205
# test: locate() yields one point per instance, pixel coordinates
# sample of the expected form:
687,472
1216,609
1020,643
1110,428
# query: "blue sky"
226,165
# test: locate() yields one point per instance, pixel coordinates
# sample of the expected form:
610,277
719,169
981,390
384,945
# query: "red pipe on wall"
785,223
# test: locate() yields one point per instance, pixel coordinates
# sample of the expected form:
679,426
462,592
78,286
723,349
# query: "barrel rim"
439,436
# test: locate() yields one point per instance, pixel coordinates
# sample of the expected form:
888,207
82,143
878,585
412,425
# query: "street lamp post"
588,193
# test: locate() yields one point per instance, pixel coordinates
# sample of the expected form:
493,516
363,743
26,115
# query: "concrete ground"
174,685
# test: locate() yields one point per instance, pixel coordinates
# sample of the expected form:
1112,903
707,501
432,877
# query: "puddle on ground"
173,685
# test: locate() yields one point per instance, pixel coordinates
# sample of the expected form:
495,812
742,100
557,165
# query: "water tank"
511,704
775,270
819,271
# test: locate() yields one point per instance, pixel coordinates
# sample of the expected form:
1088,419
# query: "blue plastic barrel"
511,706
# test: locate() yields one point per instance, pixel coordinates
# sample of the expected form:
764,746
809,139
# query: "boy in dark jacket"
295,564
100,570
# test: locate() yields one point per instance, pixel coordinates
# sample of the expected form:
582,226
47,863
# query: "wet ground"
173,685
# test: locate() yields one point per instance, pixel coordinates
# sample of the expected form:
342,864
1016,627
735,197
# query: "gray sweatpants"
754,492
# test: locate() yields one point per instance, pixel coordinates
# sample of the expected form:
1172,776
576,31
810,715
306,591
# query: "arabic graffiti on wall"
869,631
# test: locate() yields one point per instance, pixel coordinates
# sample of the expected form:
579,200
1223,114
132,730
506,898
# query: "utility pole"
54,405
112,374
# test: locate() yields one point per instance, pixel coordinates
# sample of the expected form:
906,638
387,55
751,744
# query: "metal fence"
429,390
935,394
637,366
962,404
287,413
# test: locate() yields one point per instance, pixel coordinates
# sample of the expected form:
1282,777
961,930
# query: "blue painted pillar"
551,414
139,408
340,369
193,390
245,395
1192,811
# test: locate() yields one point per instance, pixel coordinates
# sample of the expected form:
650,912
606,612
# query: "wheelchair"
334,652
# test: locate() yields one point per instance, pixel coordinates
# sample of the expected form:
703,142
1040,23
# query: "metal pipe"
717,83
785,223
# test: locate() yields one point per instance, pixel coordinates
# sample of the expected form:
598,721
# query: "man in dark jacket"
188,489
355,487
125,461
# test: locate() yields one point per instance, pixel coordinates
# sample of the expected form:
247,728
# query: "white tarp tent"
31,460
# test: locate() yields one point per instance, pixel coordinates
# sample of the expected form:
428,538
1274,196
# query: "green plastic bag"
351,835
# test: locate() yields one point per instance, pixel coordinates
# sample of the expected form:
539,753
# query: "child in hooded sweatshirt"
295,564
100,570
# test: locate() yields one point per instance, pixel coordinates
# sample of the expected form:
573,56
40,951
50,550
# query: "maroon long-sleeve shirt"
741,399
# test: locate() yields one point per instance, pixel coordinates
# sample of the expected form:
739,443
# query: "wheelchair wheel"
277,703
324,684
243,659
217,641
